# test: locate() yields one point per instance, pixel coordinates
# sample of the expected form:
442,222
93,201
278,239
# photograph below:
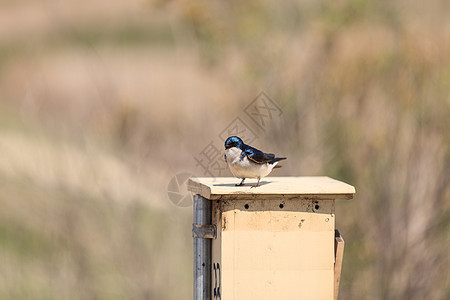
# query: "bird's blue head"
233,141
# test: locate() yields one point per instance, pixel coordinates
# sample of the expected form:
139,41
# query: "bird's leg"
257,184
240,184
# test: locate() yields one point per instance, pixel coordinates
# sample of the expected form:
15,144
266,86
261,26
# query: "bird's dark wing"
258,156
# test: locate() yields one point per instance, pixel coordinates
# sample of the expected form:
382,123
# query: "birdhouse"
275,241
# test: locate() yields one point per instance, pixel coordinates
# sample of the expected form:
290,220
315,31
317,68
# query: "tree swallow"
245,161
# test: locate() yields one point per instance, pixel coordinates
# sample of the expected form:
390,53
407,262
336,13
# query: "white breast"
245,168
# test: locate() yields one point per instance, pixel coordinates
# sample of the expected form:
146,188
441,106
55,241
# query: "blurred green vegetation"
102,103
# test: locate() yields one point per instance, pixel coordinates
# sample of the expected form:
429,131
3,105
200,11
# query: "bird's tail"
276,160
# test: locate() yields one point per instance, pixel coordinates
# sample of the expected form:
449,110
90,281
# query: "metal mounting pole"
202,232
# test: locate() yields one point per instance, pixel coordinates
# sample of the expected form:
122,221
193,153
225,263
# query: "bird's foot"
257,184
241,183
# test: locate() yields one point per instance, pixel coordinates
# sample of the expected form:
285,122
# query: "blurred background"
103,102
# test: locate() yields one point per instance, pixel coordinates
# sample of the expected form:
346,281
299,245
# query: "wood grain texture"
311,187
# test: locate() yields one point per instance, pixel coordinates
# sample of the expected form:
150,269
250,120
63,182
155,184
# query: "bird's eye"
231,145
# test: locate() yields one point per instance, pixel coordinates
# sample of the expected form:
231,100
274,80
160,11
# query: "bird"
245,161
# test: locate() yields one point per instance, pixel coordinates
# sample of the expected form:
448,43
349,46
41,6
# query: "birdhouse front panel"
273,249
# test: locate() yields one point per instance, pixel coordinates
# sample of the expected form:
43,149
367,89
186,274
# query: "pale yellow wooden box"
276,241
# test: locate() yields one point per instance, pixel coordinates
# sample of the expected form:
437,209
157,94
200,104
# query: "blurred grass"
102,103
78,247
